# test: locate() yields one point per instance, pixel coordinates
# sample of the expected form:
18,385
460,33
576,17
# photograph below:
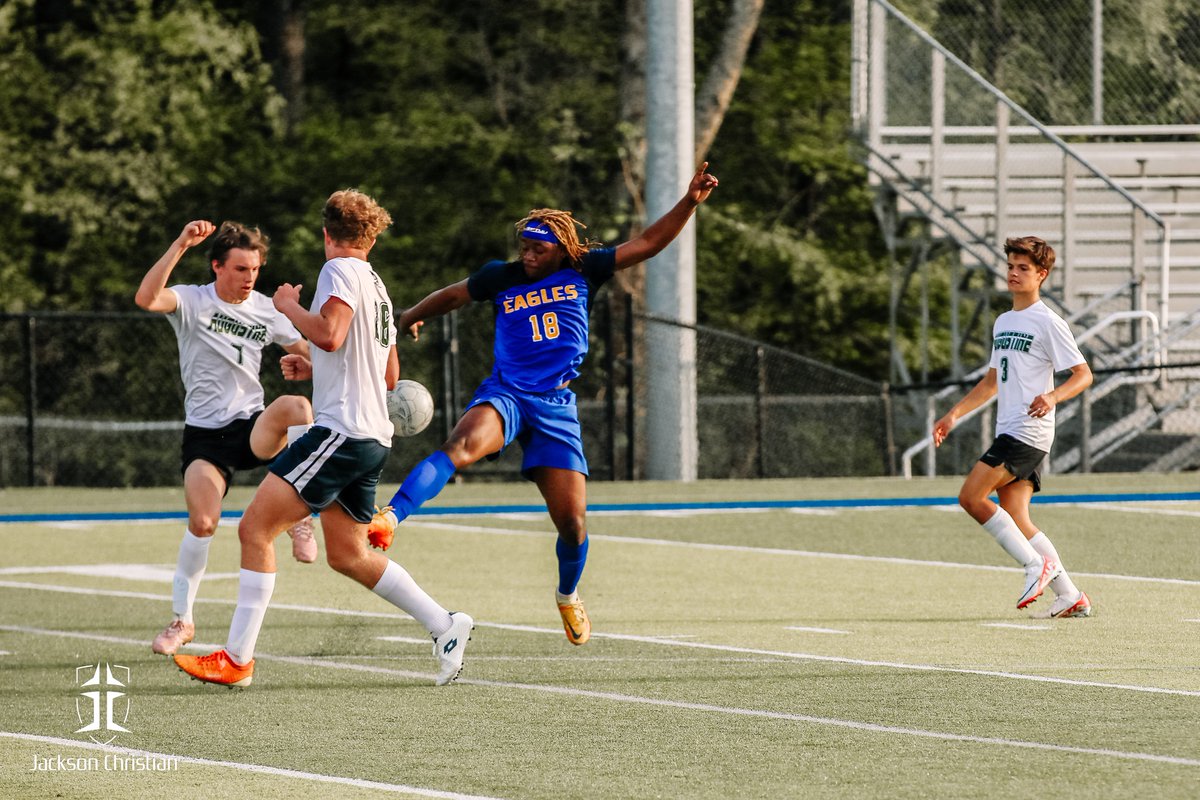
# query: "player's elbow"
328,341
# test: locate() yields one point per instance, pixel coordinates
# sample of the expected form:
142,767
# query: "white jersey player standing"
1029,344
334,468
222,328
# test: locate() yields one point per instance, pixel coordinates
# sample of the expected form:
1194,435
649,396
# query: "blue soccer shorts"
546,424
325,467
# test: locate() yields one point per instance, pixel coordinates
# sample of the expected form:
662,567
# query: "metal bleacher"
960,161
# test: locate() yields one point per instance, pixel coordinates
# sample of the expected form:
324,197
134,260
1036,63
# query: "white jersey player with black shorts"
1030,344
221,328
334,468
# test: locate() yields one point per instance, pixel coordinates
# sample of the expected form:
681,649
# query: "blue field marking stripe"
443,511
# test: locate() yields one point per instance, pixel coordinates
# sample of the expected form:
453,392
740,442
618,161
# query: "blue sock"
571,558
423,483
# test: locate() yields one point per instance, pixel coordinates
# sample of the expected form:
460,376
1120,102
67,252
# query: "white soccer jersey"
349,385
1028,347
220,352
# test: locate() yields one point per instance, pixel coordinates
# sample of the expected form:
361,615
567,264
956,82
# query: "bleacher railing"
910,94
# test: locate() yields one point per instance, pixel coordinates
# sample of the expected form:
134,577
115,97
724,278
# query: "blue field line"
444,511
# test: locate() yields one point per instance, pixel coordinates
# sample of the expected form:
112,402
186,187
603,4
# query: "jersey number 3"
548,328
1004,369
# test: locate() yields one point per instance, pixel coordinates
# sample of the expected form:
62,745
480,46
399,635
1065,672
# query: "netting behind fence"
108,406
107,401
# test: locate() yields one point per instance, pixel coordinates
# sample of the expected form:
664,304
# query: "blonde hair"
562,225
353,218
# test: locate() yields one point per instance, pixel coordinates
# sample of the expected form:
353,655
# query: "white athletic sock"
1009,536
189,569
398,588
1062,585
294,432
254,594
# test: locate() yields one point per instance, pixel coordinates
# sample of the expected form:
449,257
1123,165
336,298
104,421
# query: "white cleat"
451,645
1078,607
1036,583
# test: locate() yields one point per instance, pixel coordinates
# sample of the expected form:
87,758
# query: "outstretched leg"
565,492
479,433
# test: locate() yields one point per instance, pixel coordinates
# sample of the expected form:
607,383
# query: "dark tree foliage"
120,120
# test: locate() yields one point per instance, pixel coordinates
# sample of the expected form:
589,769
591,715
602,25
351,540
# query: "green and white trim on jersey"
1028,347
220,352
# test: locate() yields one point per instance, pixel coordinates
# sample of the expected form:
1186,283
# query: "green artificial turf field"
738,652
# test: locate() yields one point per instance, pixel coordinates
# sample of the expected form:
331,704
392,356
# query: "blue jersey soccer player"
541,303
1029,344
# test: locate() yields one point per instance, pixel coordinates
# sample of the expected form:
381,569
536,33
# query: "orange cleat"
381,528
217,668
575,618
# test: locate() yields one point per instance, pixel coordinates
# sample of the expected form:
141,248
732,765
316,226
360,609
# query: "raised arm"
980,394
153,294
435,304
664,230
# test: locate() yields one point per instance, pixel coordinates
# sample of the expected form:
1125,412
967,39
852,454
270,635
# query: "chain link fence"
1071,62
96,400
105,400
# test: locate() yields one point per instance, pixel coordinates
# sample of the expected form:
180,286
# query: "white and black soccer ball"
411,408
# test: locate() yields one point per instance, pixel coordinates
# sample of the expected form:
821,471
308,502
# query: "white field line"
405,640
779,551
804,629
260,769
660,703
1170,512
1016,625
654,640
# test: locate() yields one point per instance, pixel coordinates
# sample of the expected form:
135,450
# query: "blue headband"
536,229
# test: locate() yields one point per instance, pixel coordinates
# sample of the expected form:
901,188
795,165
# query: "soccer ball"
411,408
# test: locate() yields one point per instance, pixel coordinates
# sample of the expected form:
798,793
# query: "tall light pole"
672,445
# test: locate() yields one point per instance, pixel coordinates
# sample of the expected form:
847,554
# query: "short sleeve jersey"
542,325
349,384
1028,347
220,352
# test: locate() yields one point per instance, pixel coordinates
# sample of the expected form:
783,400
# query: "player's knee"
342,560
202,525
572,529
297,409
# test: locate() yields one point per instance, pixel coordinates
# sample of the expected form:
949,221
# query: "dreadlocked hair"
562,225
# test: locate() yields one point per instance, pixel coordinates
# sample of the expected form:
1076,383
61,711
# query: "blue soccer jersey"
541,326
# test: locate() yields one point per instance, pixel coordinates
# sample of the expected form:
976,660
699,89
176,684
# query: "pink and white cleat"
1036,584
175,636
304,543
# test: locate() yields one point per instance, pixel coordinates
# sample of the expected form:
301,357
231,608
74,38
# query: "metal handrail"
935,45
1117,316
